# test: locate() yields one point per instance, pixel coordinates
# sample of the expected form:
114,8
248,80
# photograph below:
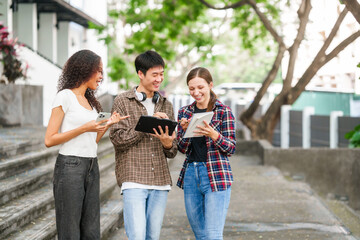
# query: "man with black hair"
142,170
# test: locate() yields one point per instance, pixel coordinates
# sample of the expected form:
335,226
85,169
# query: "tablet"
147,123
197,120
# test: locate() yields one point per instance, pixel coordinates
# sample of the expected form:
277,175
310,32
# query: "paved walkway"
264,205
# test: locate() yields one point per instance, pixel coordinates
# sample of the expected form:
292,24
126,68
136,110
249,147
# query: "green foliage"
184,29
119,70
354,137
100,29
251,30
164,26
235,64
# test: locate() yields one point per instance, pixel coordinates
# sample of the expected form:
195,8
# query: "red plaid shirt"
218,151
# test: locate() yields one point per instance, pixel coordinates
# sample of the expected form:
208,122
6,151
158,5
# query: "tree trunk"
247,116
268,122
263,128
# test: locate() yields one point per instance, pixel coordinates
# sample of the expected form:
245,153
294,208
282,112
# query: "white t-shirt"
150,106
76,115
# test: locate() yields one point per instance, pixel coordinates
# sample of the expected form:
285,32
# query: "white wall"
71,38
98,10
42,72
6,14
27,24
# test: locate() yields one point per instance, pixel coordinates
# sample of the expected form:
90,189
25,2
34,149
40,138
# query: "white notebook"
197,120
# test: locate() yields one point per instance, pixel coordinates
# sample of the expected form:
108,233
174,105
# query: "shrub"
354,137
13,66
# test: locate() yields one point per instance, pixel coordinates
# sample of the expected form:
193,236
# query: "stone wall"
21,105
334,171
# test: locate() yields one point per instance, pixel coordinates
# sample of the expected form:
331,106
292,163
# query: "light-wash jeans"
206,210
143,213
76,193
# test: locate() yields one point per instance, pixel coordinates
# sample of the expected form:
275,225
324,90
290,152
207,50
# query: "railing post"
334,123
306,126
285,126
234,110
171,99
184,100
176,105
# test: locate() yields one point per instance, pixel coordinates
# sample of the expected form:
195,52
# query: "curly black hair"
78,69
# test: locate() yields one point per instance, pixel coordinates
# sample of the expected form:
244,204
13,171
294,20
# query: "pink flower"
12,64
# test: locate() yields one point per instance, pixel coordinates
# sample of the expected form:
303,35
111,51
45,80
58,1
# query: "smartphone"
103,116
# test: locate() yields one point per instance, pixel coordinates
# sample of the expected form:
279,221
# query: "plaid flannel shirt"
218,151
140,157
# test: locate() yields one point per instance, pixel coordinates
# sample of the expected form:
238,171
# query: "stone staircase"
26,197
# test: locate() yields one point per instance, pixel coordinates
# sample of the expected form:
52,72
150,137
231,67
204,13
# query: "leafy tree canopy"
187,33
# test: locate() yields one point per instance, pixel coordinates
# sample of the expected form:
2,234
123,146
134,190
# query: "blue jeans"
206,210
143,213
76,193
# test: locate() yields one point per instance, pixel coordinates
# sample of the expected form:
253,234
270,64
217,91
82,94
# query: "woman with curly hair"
72,124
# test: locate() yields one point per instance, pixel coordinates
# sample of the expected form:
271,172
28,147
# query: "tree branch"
303,13
249,112
333,32
354,7
260,14
342,46
317,64
266,22
234,5
320,59
290,96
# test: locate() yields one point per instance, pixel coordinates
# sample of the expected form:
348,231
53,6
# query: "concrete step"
17,164
32,209
11,166
22,210
18,140
105,147
111,214
29,180
21,184
44,227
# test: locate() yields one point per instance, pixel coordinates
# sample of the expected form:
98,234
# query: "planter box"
21,105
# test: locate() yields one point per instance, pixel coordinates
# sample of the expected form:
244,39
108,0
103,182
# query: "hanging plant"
13,67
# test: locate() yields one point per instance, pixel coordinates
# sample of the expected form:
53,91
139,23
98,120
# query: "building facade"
51,32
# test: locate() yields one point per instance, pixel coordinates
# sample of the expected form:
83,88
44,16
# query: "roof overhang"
64,11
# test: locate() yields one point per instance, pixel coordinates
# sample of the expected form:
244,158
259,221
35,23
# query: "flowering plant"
13,66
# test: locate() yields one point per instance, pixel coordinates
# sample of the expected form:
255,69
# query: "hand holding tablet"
197,120
148,123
